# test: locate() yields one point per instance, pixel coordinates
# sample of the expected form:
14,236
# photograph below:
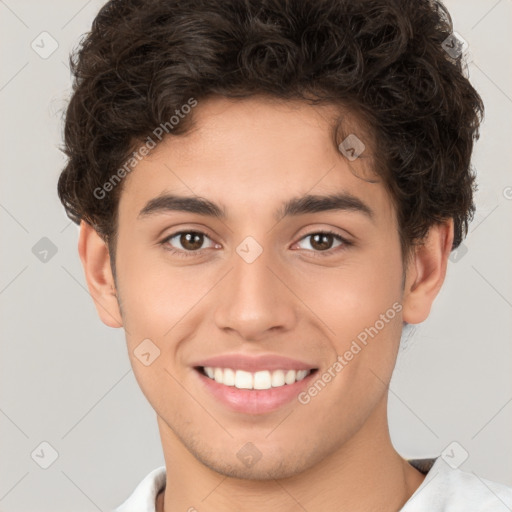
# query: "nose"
255,300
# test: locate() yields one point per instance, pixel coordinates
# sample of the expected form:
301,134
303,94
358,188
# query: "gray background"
65,378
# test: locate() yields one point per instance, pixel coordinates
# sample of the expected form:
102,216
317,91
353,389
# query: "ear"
96,262
426,272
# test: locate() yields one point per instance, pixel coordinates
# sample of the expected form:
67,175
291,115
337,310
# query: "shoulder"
143,498
445,488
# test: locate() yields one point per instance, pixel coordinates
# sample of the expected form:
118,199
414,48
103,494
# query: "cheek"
156,296
153,302
362,310
354,297
361,305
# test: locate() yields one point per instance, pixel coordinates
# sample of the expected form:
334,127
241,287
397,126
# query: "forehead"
257,153
262,129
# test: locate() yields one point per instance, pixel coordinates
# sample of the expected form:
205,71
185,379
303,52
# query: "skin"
250,156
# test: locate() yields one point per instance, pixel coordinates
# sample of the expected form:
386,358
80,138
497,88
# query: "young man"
268,191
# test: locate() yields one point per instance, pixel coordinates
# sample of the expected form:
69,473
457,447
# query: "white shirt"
443,490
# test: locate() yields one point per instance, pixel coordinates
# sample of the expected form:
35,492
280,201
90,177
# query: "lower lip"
254,401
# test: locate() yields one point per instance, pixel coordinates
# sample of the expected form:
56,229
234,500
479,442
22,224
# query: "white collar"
442,489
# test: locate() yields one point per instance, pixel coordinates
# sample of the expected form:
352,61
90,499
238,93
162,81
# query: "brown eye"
321,241
191,241
324,241
187,241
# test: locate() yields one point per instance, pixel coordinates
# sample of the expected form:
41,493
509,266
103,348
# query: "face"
261,283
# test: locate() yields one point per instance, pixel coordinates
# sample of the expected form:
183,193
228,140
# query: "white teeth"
243,380
262,380
229,377
301,374
217,375
258,380
289,378
277,378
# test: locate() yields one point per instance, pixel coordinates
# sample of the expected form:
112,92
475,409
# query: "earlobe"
95,259
426,272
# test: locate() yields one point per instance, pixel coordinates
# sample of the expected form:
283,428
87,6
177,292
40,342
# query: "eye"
323,241
190,241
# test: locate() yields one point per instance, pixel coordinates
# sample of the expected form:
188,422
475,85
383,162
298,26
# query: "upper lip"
253,364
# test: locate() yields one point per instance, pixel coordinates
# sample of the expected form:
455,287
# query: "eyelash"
186,254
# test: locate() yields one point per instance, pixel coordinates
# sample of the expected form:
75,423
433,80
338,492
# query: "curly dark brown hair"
384,60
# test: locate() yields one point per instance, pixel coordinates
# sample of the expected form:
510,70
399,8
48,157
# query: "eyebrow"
343,201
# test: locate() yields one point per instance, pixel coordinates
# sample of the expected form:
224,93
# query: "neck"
364,474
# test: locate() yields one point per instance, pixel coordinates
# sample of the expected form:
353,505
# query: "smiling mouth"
259,380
